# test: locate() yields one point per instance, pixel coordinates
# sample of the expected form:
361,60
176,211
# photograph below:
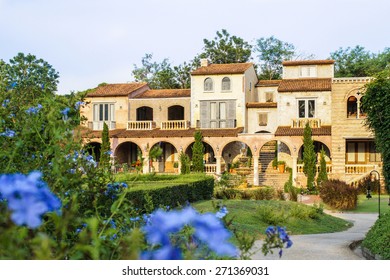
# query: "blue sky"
94,41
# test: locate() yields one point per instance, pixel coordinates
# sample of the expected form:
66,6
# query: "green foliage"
322,175
309,158
185,163
358,62
271,53
197,153
376,103
291,190
225,48
338,194
155,152
261,193
105,148
378,238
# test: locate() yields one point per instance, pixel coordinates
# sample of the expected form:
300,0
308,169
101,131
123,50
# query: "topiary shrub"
338,194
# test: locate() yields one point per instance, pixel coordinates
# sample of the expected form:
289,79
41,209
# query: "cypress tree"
197,152
322,175
309,157
104,160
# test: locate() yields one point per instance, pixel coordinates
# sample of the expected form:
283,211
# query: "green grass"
371,205
247,217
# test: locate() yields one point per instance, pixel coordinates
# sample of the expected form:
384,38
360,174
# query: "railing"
175,125
301,123
328,168
211,168
141,125
99,125
358,168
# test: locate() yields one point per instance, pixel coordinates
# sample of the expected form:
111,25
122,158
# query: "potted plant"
275,163
281,166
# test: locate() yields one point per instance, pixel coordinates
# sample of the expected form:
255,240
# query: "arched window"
352,107
226,84
208,84
362,114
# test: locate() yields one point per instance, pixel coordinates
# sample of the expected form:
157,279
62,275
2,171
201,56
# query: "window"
375,156
308,71
263,119
103,112
225,84
352,107
217,114
306,108
269,96
208,84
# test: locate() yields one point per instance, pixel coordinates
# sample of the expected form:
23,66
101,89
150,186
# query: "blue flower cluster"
114,189
277,237
222,212
209,231
81,156
5,103
34,110
8,133
78,104
28,197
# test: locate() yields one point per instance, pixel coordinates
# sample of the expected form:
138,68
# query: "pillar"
294,170
255,170
218,169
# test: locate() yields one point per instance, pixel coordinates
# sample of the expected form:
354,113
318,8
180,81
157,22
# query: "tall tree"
309,157
197,152
271,53
225,48
322,175
105,148
376,103
352,62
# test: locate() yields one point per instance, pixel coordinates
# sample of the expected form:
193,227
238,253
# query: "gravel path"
326,246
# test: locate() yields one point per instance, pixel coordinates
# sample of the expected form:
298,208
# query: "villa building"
238,115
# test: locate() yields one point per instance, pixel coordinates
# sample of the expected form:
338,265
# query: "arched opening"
176,113
167,161
318,146
236,154
226,84
128,156
352,107
93,149
272,153
208,154
362,114
263,132
144,114
208,84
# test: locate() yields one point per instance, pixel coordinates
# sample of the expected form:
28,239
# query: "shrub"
227,193
264,193
338,194
378,238
366,184
270,216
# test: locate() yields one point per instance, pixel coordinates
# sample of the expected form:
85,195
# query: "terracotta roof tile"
262,105
158,133
165,93
268,83
117,89
216,69
313,84
289,131
308,62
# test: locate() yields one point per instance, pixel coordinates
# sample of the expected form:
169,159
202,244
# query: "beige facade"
239,115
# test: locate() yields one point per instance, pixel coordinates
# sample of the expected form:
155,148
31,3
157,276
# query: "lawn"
254,216
371,205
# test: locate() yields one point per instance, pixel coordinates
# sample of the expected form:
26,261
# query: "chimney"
204,62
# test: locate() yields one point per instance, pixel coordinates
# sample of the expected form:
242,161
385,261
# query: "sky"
93,41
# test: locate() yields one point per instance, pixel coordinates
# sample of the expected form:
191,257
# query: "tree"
185,163
225,48
271,53
197,153
322,175
376,103
104,160
352,62
309,157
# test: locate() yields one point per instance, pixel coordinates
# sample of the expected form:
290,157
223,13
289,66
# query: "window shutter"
231,113
269,96
263,119
204,114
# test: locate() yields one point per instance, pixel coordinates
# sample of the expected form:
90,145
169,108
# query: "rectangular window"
308,71
103,112
307,108
217,114
269,96
263,119
375,156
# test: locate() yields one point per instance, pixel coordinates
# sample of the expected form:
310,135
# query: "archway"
234,151
176,113
93,149
168,160
128,155
144,113
318,146
274,151
208,154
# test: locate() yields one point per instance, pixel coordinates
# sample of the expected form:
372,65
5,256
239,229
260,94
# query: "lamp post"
379,189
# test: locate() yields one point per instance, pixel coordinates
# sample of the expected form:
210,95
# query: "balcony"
141,125
175,125
359,168
301,123
98,125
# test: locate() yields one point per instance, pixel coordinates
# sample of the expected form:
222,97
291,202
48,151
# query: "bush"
268,215
338,194
366,184
378,238
227,193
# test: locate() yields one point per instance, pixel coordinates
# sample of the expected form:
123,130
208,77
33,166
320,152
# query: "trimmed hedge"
338,194
172,195
262,193
378,238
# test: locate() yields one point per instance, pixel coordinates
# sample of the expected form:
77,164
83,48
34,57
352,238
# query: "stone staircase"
267,155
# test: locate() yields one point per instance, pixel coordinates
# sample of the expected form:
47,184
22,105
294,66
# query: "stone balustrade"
141,125
301,123
175,125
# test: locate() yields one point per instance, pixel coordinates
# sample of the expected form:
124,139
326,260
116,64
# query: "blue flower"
135,219
28,198
65,113
8,133
222,212
277,237
5,103
78,104
34,110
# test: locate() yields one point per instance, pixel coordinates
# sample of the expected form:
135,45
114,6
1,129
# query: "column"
218,171
146,164
255,170
294,169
